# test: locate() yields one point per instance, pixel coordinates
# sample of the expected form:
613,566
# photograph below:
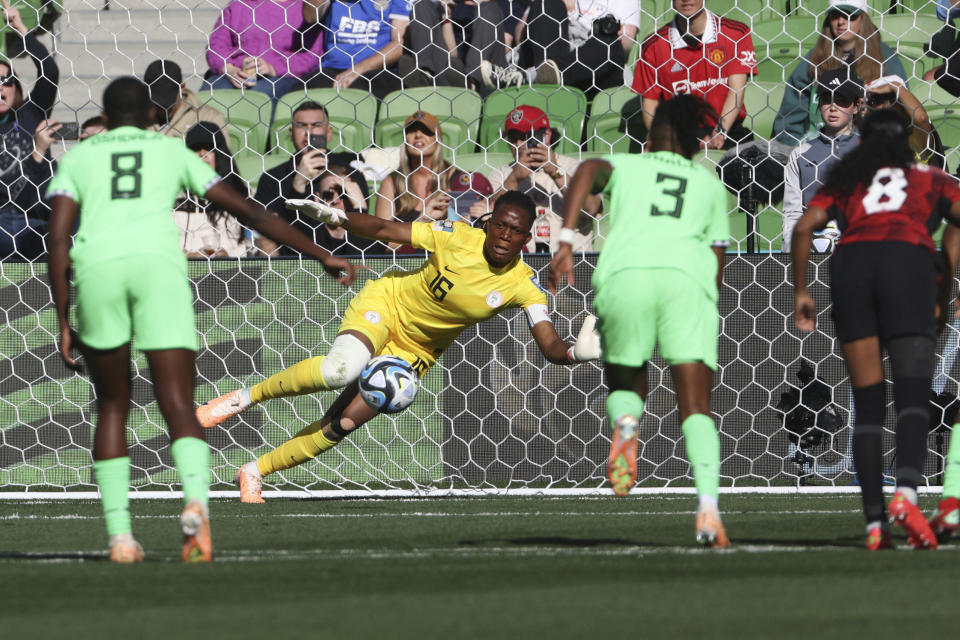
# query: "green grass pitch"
474,568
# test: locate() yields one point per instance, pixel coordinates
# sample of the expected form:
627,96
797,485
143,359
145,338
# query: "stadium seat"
482,162
251,165
566,107
605,130
443,102
762,100
352,112
456,133
247,114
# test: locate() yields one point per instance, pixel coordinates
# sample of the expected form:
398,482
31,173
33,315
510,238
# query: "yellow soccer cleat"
125,550
223,408
710,531
195,525
251,482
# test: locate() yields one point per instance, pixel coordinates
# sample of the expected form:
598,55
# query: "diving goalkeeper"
471,275
656,283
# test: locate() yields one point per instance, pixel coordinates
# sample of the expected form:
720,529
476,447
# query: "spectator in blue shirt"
362,43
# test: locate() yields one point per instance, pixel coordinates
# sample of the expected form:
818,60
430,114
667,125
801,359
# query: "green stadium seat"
455,133
565,106
762,100
605,130
251,165
443,102
353,112
247,114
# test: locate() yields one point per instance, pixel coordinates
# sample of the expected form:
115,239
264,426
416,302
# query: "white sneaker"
497,77
251,482
226,406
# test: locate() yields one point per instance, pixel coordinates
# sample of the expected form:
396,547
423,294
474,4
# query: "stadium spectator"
363,43
178,108
884,293
263,45
544,175
91,127
840,100
434,54
657,283
945,43
131,281
26,134
205,229
703,54
339,190
582,45
848,38
890,92
471,195
311,133
471,275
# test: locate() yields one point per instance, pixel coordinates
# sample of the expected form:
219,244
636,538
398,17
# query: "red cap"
526,119
463,181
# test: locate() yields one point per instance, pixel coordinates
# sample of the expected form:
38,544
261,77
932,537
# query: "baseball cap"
841,82
164,79
525,119
850,7
466,181
427,119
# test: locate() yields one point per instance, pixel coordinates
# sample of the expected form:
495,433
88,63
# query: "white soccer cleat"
251,483
223,408
497,77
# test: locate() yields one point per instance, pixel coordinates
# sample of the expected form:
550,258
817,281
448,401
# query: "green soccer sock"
622,403
951,475
703,451
192,458
113,478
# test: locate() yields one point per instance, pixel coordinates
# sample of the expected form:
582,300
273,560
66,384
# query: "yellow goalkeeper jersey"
456,287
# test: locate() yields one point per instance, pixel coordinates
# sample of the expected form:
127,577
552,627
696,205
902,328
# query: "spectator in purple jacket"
262,45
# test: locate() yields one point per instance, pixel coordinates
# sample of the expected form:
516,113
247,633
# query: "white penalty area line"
460,553
463,493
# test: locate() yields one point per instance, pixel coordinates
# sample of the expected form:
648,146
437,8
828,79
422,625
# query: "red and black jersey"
899,205
668,65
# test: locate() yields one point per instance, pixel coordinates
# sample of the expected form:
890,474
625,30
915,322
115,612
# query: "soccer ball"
388,384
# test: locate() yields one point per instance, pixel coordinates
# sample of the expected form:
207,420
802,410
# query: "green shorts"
639,309
148,297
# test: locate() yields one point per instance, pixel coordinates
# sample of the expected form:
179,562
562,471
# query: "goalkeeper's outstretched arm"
554,349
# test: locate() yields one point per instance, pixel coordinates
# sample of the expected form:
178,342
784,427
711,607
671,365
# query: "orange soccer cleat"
251,483
622,464
125,550
223,408
195,525
710,531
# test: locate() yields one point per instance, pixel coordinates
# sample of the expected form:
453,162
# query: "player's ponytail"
680,123
884,142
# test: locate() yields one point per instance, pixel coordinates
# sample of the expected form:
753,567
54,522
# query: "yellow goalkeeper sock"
303,377
306,445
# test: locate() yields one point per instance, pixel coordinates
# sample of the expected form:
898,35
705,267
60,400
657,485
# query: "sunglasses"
850,17
331,195
877,99
843,102
8,81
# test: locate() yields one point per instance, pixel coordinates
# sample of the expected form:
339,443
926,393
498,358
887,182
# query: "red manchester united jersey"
899,205
669,66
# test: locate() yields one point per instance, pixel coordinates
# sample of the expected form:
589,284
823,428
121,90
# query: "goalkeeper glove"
318,211
587,345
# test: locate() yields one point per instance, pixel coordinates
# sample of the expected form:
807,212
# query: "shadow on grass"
557,541
54,555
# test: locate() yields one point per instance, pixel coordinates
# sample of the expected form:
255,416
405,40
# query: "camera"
606,27
317,141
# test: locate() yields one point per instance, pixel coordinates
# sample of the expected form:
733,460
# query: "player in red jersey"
884,290
704,54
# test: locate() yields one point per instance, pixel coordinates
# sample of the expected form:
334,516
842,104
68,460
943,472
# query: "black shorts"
883,289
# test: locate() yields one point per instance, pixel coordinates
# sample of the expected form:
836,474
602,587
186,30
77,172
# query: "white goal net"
493,415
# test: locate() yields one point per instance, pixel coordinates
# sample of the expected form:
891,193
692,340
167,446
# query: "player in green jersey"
656,283
130,276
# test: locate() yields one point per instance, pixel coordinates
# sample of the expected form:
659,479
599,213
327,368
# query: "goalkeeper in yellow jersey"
471,275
